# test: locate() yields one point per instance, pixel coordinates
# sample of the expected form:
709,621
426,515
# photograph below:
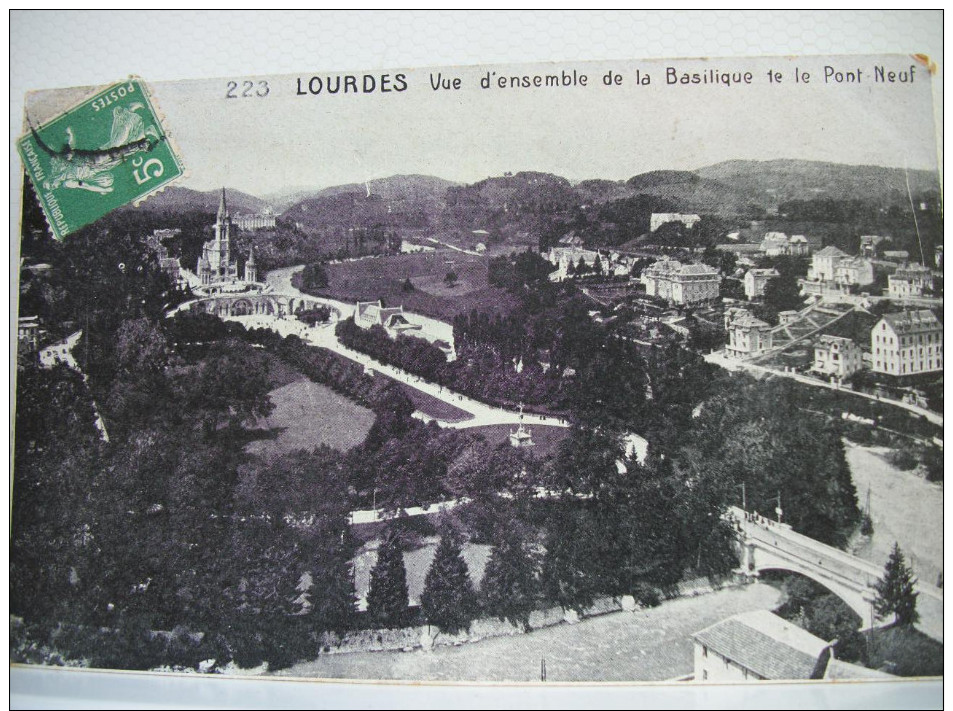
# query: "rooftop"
830,251
766,644
913,321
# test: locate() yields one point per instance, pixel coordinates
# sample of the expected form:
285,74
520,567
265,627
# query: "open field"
546,439
384,277
648,645
307,415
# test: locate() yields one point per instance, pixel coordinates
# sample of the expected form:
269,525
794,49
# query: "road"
322,336
908,510
720,359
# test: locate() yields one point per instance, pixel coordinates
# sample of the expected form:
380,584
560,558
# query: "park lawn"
546,439
384,278
307,415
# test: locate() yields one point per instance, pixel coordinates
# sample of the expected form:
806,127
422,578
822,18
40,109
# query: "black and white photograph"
560,372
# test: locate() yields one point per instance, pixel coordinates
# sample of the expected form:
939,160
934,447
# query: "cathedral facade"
216,266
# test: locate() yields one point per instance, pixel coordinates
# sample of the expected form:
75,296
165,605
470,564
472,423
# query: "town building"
907,343
28,334
747,335
756,279
395,323
869,245
263,221
824,264
854,271
681,284
372,313
897,255
758,645
170,265
663,218
909,280
777,244
837,356
564,256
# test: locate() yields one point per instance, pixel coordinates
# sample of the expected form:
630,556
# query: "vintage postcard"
582,372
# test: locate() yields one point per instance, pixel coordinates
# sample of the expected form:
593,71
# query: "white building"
747,335
756,279
681,283
837,356
758,645
662,218
776,244
824,264
854,271
907,343
396,323
909,280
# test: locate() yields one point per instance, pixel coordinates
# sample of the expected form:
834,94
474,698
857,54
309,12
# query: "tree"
830,618
407,286
895,590
448,600
783,294
451,279
509,582
387,598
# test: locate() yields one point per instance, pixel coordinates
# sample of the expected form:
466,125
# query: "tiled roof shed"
767,645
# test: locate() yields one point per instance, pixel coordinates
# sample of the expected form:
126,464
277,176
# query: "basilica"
215,266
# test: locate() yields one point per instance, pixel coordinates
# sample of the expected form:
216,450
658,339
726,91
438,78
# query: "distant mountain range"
182,199
727,188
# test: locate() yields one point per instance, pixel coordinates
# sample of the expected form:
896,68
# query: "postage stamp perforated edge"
181,171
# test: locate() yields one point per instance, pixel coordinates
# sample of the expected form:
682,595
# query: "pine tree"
448,600
387,598
509,582
895,593
570,574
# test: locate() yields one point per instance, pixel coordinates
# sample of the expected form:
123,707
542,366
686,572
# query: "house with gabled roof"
758,645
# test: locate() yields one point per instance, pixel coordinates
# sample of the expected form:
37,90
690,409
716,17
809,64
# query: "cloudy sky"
265,145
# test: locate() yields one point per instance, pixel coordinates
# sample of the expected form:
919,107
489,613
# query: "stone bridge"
769,545
252,303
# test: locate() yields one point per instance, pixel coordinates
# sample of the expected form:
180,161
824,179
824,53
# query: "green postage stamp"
105,152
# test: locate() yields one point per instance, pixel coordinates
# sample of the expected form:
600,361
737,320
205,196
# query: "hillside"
185,199
778,181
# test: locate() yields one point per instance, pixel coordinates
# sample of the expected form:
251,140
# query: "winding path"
322,336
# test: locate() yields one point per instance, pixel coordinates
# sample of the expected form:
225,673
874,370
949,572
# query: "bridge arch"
242,307
858,596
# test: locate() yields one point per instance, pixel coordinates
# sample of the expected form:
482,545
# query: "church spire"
222,208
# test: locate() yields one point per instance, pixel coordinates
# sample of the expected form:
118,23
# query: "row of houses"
902,343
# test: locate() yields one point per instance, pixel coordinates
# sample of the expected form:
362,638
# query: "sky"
284,141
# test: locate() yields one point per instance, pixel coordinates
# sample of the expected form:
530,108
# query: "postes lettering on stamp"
108,151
